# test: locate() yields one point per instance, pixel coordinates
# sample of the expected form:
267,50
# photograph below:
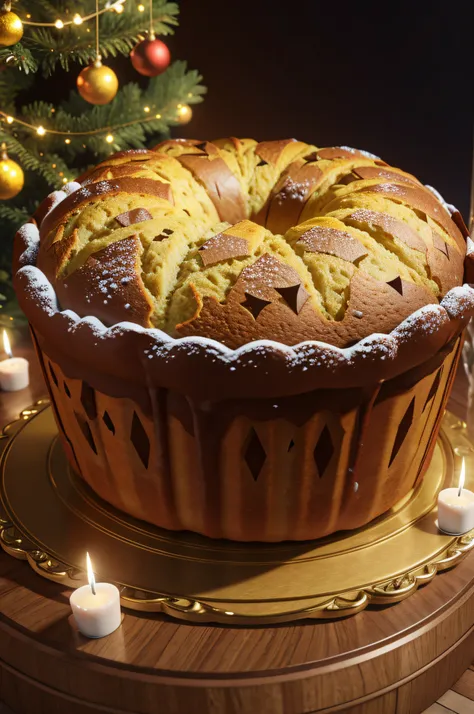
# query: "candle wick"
460,490
93,588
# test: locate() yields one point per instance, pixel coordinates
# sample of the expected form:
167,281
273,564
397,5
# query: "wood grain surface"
393,660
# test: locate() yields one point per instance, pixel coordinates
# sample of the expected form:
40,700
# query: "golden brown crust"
371,172
223,247
375,244
101,191
322,239
290,195
53,261
390,225
120,157
270,152
422,200
204,161
373,307
222,186
338,152
109,285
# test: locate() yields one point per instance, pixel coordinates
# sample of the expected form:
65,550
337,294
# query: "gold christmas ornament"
97,84
11,28
184,113
11,177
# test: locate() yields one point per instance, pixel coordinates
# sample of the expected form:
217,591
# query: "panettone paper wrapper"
292,468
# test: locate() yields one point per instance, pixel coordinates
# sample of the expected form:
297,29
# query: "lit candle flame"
6,344
90,573
462,477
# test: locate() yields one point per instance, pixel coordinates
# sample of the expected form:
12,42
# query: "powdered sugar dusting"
117,270
29,235
469,245
376,346
40,289
458,301
427,320
71,187
306,355
293,190
360,151
54,199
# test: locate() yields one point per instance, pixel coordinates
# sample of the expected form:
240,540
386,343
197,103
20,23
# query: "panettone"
239,241
248,340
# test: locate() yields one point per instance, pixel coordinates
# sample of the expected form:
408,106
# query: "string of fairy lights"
181,111
96,83
77,19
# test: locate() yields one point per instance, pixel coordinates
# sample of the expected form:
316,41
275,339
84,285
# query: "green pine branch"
176,85
12,82
32,162
18,56
13,214
50,156
41,10
118,34
50,160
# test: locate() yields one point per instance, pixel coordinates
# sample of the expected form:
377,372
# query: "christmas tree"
45,145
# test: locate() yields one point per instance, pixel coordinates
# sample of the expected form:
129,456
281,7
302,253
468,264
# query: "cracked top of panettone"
237,241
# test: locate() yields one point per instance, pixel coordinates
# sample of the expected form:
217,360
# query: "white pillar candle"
456,508
96,607
13,370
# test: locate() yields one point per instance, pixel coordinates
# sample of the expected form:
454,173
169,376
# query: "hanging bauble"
11,177
184,113
97,84
150,57
11,28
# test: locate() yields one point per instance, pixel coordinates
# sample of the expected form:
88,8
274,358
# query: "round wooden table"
395,660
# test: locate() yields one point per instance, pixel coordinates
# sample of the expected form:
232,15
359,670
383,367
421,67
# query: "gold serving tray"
50,517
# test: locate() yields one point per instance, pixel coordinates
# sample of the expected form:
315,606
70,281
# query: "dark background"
394,78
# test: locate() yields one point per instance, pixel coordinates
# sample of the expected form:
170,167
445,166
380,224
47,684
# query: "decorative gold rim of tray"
49,517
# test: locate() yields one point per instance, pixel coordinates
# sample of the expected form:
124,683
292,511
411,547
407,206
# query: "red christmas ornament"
150,57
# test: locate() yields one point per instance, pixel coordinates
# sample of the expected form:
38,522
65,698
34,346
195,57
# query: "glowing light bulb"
10,120
64,180
141,8
109,138
41,131
59,24
158,116
67,141
146,109
118,7
77,19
